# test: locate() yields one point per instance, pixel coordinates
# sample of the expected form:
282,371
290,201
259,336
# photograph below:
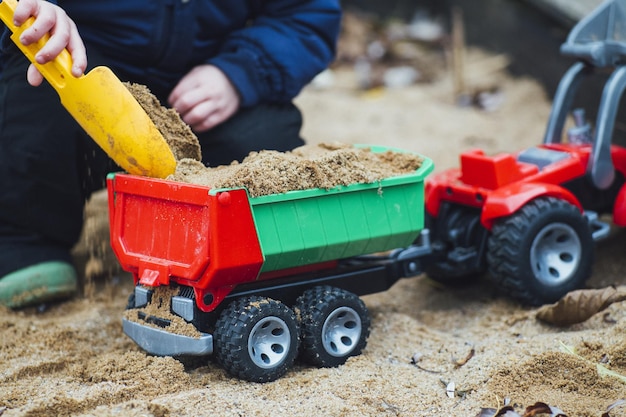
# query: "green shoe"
46,281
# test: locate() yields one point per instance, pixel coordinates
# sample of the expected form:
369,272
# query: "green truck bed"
303,227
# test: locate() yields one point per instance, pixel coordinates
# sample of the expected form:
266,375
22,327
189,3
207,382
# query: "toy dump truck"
262,279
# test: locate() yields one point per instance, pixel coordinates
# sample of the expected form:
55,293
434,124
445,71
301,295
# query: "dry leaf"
461,362
610,407
543,408
486,412
577,306
602,370
507,411
492,412
539,408
450,389
417,356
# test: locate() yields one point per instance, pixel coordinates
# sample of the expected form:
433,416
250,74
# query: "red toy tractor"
530,218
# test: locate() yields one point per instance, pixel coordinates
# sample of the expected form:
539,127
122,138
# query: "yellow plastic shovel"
103,106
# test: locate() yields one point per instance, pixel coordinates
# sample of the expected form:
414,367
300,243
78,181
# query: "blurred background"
529,32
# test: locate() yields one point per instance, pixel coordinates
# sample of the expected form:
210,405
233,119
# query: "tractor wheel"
457,229
256,339
334,323
448,275
541,252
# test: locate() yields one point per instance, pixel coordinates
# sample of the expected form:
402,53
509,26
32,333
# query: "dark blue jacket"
269,49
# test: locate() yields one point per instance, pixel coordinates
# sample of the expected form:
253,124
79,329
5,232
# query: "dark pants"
49,167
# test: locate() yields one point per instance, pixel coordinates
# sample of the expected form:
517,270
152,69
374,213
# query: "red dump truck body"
163,229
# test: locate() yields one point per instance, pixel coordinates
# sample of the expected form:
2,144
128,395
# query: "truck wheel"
334,323
541,252
256,339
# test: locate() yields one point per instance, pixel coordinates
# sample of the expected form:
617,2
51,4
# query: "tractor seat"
541,157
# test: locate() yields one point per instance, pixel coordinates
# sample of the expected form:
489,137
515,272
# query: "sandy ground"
73,359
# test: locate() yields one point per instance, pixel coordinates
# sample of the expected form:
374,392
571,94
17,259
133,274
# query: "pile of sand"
323,166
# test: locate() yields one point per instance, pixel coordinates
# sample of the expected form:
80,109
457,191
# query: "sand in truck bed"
322,166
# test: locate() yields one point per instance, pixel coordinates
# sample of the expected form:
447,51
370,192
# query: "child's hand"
51,19
204,98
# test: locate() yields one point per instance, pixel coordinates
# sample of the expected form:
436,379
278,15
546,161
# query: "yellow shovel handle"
54,71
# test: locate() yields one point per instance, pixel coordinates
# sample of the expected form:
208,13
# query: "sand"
433,350
323,165
180,138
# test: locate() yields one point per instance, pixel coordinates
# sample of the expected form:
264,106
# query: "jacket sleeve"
281,50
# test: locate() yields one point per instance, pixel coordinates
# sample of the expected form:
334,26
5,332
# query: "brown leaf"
577,306
461,362
537,408
542,408
507,411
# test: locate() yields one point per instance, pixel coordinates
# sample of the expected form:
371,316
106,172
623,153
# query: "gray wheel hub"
269,342
341,331
555,254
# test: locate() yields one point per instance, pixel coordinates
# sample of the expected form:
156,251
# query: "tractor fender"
619,208
508,199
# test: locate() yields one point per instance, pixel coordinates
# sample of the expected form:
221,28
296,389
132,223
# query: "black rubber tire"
256,339
518,246
443,271
335,325
446,274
